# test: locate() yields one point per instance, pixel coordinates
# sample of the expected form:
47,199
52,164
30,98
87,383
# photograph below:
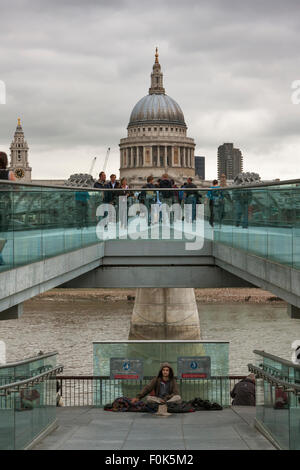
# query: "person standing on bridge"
5,200
4,173
149,197
163,389
101,184
215,202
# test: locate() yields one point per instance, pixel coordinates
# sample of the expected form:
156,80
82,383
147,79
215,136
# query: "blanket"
197,404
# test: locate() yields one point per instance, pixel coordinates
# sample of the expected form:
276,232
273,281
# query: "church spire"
156,78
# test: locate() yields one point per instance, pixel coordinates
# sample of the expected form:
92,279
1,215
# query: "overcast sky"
75,69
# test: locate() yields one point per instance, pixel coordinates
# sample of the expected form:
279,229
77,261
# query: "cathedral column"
166,157
132,158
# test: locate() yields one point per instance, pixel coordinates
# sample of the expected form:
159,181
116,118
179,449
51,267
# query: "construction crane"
106,159
92,166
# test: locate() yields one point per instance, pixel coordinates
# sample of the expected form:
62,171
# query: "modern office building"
200,167
230,161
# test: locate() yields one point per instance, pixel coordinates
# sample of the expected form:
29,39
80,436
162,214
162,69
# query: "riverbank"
205,296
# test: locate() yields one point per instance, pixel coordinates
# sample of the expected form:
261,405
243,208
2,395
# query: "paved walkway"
86,428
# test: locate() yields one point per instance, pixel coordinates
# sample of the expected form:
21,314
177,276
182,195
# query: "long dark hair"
171,373
3,161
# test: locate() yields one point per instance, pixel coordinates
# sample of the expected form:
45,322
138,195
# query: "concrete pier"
165,313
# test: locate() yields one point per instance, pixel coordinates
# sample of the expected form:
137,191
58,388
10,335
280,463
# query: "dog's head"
296,352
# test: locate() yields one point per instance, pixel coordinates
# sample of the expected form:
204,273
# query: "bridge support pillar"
12,313
165,313
293,312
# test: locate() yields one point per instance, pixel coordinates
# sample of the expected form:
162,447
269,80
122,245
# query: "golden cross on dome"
19,121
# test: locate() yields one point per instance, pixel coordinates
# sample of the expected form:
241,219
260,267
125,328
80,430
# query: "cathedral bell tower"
19,156
156,78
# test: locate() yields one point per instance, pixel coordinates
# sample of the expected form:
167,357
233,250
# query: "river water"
69,326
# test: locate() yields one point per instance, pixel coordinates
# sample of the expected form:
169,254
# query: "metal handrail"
284,362
26,361
262,374
146,377
250,185
16,386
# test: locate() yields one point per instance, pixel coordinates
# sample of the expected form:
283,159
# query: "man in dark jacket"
191,197
243,392
163,389
149,197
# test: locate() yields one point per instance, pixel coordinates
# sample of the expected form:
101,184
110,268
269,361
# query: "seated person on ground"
243,392
163,387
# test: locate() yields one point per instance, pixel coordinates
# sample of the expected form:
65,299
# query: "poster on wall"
193,367
126,369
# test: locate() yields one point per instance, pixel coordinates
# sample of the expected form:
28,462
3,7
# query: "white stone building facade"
157,140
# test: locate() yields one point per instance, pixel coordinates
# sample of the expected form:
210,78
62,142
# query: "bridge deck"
86,428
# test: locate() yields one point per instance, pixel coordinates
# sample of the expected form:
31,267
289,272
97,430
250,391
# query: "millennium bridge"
159,240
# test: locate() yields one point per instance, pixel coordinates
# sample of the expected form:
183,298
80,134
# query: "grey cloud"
74,70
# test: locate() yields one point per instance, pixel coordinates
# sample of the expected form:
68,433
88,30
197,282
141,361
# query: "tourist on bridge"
191,197
216,203
162,390
101,183
5,201
4,173
242,199
166,197
122,199
112,184
243,392
149,197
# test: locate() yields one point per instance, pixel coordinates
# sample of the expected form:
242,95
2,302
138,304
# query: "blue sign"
197,367
125,368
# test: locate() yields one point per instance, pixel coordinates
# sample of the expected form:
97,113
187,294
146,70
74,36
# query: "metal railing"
272,379
37,397
277,405
79,390
276,359
9,388
28,360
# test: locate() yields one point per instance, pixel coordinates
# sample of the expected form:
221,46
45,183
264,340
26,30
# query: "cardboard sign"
126,369
194,367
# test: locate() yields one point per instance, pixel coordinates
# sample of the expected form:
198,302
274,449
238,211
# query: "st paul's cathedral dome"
157,141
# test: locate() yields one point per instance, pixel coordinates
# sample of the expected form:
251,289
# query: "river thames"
69,325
